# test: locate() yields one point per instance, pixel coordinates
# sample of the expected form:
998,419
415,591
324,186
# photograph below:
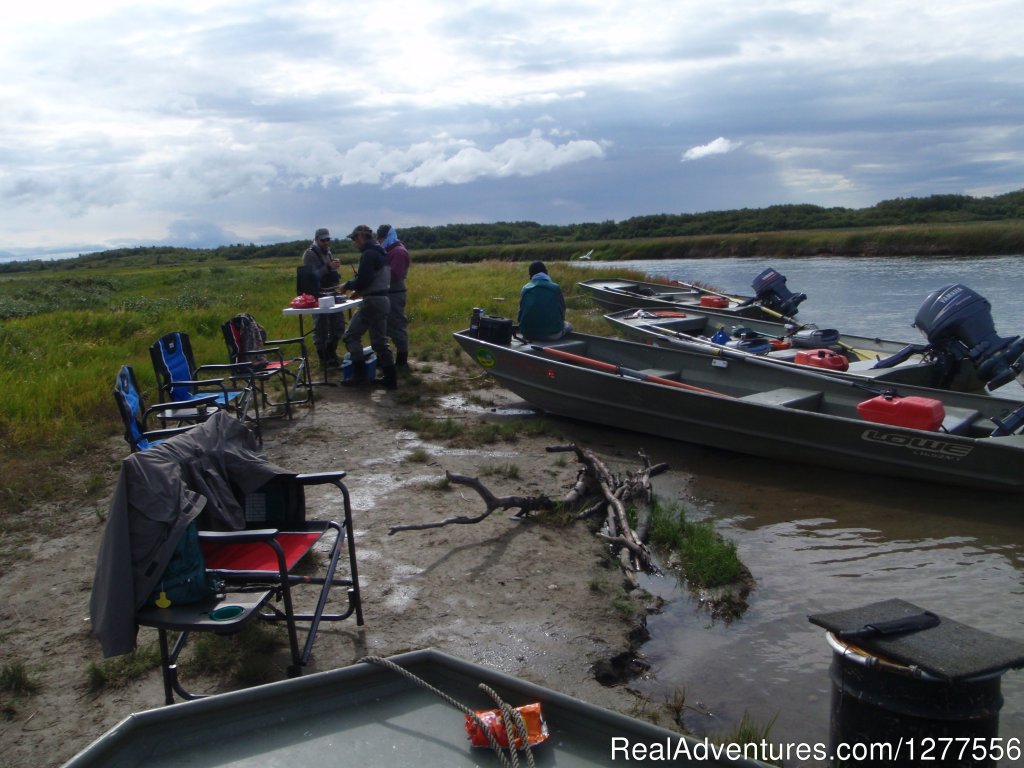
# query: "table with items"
323,308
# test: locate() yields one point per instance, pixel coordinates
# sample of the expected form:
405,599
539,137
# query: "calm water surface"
818,540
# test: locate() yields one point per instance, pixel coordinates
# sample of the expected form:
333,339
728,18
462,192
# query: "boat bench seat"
576,347
958,421
684,325
789,397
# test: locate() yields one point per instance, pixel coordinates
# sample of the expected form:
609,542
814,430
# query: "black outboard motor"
770,289
956,315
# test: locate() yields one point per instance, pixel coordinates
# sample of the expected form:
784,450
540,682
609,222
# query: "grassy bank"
967,239
64,335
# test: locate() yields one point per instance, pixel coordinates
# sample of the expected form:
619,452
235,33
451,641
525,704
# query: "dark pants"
372,317
398,323
328,330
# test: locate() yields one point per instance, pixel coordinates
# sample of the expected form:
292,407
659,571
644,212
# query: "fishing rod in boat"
716,350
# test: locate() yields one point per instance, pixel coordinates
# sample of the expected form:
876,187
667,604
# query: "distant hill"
514,239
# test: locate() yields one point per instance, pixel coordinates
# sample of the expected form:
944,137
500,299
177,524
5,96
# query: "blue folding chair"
181,380
135,415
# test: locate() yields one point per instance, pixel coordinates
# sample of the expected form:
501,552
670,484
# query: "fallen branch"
614,493
594,480
525,505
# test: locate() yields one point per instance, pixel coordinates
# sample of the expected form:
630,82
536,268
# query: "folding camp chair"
257,567
253,533
181,380
247,342
136,415
280,506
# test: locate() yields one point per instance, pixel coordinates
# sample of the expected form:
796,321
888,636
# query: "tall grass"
64,336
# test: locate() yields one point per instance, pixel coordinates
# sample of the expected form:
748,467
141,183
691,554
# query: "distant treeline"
929,221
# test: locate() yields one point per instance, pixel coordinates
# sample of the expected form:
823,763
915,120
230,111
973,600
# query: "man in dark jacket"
371,283
328,329
398,261
542,307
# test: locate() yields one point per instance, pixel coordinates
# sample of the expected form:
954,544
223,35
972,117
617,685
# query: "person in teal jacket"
542,307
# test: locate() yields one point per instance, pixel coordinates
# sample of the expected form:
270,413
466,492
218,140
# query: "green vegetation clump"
121,670
14,678
706,558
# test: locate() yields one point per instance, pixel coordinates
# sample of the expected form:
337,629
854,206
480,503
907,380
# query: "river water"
817,540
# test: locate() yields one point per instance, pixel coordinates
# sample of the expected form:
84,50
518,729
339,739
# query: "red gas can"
718,302
822,358
911,411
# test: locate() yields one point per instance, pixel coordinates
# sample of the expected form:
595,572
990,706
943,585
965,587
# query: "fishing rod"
717,350
797,325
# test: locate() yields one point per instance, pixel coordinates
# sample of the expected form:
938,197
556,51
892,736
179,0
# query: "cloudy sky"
208,122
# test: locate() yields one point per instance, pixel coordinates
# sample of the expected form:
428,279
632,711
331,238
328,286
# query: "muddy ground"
529,598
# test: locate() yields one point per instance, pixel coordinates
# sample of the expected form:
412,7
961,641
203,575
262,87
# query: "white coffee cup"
326,302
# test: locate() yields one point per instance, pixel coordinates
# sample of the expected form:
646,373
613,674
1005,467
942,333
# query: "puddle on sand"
460,404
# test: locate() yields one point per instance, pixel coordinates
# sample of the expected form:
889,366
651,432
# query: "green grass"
707,559
64,334
121,670
14,678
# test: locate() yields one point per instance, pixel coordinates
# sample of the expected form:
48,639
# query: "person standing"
542,307
371,283
398,261
327,329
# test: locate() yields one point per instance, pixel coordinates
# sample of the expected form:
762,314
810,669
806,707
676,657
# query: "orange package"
536,728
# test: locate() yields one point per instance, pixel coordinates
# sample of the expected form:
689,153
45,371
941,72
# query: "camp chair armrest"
296,340
162,434
318,478
193,383
230,537
230,368
208,400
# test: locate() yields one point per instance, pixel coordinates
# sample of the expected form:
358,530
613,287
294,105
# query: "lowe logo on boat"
486,358
937,448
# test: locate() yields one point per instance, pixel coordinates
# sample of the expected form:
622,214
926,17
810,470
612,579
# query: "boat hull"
616,294
760,411
667,328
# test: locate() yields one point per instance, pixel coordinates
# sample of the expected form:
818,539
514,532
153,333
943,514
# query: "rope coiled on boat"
514,725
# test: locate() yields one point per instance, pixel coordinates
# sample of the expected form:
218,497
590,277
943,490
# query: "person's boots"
402,358
358,375
331,359
389,379
321,355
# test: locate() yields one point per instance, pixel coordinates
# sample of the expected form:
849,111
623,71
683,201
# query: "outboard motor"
770,289
956,315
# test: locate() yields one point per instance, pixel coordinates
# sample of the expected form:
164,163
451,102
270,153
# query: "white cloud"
528,156
719,146
269,115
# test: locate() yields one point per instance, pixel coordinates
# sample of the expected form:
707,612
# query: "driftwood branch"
597,479
597,491
525,505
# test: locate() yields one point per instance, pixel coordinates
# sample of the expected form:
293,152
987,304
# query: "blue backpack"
185,579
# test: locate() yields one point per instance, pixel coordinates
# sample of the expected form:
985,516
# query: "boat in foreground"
368,714
754,406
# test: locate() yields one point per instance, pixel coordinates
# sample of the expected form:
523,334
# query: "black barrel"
882,707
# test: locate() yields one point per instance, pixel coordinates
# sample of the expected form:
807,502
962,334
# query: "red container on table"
718,302
822,358
911,411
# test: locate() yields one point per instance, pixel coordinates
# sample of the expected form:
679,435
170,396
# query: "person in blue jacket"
542,307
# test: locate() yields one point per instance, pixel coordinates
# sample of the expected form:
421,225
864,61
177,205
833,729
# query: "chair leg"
169,668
